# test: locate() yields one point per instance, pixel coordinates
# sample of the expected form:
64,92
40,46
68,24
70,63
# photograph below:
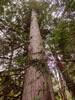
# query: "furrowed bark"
36,44
36,85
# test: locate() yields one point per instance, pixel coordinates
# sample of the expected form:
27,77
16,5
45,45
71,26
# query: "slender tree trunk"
35,85
63,86
69,82
66,77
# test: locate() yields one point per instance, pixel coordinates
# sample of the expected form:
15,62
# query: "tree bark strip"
36,86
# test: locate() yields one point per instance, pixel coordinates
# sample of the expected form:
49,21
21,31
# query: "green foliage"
70,5
62,37
2,4
38,6
11,84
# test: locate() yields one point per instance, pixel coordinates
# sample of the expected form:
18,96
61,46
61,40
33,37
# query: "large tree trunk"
35,86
